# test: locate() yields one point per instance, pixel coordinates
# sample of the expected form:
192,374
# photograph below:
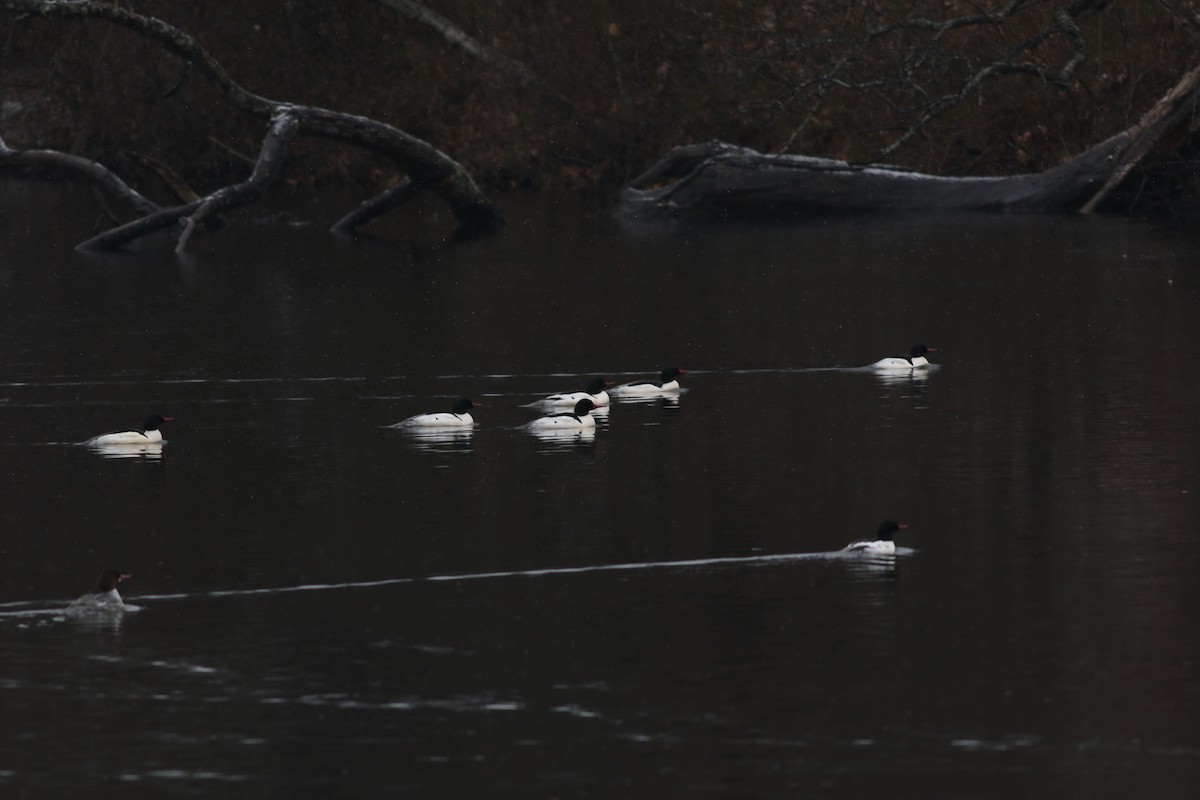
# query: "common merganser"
105,599
915,359
666,384
578,419
594,391
458,416
882,543
148,434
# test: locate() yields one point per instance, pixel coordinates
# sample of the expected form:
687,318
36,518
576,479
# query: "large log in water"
718,180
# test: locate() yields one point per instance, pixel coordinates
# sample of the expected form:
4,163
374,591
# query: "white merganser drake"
105,599
668,382
149,433
575,420
459,416
882,544
594,391
914,360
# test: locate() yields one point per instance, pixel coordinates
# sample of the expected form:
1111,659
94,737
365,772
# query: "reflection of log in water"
717,180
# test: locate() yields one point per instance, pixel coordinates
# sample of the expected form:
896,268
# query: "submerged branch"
377,206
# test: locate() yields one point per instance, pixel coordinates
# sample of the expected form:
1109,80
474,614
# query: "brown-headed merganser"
105,598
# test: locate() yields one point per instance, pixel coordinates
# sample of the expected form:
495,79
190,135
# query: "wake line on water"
59,383
474,576
516,573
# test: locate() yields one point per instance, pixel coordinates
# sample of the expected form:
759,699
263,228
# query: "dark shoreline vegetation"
586,96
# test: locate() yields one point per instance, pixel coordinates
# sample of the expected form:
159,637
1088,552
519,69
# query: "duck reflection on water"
150,451
563,439
442,440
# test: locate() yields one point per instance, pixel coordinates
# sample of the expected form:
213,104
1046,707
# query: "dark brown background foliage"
829,78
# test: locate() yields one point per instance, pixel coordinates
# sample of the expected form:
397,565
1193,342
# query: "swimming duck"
104,599
594,391
882,544
149,433
577,419
459,416
668,381
914,360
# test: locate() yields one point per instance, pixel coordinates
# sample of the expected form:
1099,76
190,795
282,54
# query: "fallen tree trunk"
426,166
717,180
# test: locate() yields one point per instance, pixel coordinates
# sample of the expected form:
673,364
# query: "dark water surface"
329,608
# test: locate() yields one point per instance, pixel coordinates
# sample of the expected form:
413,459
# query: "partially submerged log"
717,180
426,166
735,182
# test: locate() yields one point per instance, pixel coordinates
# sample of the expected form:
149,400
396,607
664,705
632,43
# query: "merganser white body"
149,434
576,420
882,544
594,391
459,416
105,599
914,360
666,384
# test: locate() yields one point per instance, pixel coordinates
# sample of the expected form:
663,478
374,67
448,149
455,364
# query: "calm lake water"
329,608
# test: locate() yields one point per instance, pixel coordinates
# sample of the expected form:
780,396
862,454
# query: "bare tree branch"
817,57
1065,24
426,164
525,77
104,179
460,39
266,170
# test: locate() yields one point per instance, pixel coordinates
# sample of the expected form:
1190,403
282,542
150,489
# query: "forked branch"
425,165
